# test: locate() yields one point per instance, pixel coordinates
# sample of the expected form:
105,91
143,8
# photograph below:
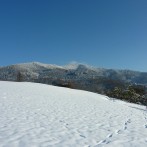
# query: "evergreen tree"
19,77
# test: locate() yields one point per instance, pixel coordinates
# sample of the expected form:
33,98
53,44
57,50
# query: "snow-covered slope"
37,115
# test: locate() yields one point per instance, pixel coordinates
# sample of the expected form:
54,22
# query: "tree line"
132,93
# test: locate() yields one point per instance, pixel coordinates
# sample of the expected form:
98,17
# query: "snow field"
38,115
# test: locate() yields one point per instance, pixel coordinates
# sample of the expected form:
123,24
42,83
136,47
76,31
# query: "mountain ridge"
72,65
74,75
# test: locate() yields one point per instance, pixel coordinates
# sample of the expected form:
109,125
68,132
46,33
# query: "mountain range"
75,75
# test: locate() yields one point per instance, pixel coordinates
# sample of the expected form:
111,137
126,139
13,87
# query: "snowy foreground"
37,115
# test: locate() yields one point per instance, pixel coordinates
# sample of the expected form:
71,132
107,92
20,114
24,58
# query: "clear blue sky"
102,33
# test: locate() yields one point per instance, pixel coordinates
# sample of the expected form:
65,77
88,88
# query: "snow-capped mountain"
81,76
39,115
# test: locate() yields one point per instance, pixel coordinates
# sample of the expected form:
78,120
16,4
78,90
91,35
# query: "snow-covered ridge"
38,115
72,65
37,65
79,71
76,65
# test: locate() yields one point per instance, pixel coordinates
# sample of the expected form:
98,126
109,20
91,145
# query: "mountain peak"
75,65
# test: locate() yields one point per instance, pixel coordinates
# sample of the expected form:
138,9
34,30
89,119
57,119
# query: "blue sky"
102,33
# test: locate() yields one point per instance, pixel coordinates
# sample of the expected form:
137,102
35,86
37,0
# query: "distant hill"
78,76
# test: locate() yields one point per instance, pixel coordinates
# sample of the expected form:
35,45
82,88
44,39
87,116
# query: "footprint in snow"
129,121
126,123
102,141
118,131
82,136
105,141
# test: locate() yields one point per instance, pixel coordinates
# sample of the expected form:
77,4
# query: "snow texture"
38,115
